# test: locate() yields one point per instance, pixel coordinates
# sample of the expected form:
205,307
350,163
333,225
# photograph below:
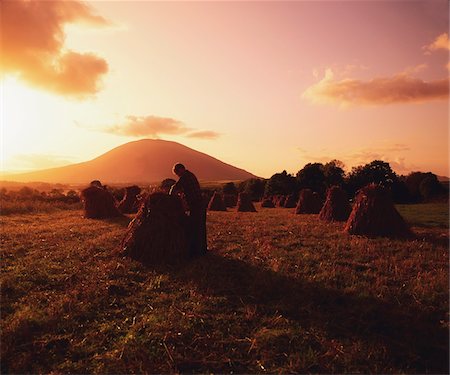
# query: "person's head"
96,183
178,169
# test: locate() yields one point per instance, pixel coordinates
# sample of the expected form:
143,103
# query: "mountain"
143,161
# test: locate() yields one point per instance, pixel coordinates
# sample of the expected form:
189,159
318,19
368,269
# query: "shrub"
281,184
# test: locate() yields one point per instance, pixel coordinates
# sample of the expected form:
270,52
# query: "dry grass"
32,206
278,293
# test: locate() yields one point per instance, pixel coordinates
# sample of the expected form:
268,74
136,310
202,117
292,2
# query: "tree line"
413,188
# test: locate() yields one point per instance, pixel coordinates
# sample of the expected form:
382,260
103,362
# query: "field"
277,292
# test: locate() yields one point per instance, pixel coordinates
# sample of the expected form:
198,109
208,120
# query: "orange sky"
265,86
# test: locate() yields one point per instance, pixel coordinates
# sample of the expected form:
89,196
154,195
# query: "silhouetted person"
188,184
96,183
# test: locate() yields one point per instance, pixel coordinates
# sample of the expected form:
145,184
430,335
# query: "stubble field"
277,292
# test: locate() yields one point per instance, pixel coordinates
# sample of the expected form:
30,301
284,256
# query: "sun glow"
239,81
28,117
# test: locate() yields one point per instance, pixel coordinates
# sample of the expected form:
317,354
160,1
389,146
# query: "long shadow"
414,340
123,220
435,239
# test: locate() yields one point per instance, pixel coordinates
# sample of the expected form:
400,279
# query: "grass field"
277,292
426,214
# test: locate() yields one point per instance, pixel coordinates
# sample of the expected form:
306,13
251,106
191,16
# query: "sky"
265,86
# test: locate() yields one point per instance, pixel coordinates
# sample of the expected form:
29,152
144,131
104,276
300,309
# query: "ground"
278,292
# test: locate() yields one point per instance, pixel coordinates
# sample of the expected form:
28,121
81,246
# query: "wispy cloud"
154,126
401,88
33,46
137,126
441,42
205,134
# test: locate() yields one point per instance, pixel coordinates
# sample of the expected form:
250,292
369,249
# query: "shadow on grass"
414,340
123,220
437,237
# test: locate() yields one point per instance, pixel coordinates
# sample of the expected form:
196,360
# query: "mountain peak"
141,161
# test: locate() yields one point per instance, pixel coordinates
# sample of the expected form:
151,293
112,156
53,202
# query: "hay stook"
230,200
374,214
281,200
216,203
337,206
130,202
308,203
158,234
245,204
291,201
267,202
98,203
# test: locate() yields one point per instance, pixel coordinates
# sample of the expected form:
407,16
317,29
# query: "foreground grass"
277,293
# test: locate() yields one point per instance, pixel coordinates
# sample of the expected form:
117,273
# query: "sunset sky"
264,86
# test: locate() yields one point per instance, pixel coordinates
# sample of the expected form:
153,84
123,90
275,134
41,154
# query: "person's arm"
175,188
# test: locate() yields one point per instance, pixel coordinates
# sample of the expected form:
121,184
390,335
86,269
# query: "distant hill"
143,161
443,178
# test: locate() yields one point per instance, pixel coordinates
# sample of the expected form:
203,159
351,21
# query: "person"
189,185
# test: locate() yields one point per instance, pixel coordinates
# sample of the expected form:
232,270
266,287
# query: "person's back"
189,185
191,189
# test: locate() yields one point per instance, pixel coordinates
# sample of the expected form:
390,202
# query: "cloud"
154,126
441,42
32,42
393,153
410,70
138,126
205,134
389,154
401,88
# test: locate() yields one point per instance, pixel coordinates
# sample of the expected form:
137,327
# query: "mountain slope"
142,161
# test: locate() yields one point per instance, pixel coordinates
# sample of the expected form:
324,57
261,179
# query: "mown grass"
277,292
15,207
426,214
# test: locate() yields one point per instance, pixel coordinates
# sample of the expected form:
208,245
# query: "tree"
312,176
25,192
334,173
72,196
253,187
56,194
423,186
281,184
400,192
377,171
430,187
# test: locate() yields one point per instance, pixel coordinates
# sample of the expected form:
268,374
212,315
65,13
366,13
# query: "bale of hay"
130,203
216,203
281,201
98,203
337,206
158,233
308,203
291,201
230,200
374,214
206,196
245,204
267,202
